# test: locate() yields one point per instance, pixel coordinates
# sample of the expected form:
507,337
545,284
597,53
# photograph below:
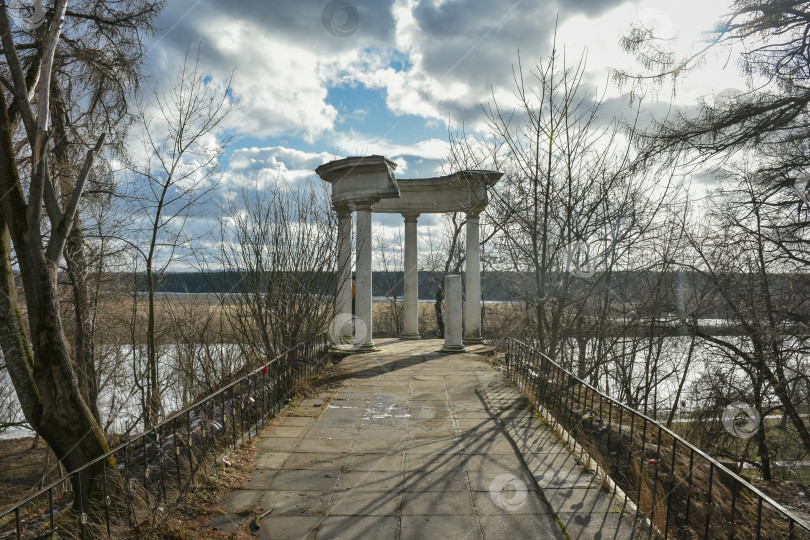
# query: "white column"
452,314
343,300
472,307
362,297
410,322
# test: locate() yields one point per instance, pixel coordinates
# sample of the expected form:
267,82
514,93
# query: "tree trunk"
46,384
780,389
762,447
75,261
84,352
438,308
42,371
682,382
152,412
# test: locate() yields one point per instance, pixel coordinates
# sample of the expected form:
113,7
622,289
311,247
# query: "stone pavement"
420,445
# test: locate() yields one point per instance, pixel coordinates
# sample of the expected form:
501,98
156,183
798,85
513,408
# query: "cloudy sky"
318,79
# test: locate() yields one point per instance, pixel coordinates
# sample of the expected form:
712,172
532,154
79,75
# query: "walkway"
420,445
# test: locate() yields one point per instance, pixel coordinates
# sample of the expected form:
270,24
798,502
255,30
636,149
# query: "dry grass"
193,515
498,319
115,320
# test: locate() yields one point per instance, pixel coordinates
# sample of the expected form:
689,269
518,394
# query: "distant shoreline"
159,294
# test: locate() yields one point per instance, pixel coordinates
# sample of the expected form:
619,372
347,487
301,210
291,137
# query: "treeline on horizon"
686,293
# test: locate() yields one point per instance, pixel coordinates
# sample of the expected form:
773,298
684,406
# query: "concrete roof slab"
463,191
367,179
356,179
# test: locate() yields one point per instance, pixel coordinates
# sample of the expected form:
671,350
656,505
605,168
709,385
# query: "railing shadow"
672,485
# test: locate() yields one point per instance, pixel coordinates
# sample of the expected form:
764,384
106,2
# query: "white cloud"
277,158
402,165
683,25
453,54
276,84
262,168
353,143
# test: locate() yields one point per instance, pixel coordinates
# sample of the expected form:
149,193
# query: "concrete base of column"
366,348
407,337
473,341
452,315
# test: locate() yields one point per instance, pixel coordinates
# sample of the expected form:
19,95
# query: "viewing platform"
416,445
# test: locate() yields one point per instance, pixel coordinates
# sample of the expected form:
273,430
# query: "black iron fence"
132,490
680,491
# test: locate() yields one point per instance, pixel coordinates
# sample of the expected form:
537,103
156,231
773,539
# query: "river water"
630,365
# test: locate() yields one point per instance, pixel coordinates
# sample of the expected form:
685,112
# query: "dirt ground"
792,495
24,467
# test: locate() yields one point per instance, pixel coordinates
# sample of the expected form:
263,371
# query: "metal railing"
680,491
132,490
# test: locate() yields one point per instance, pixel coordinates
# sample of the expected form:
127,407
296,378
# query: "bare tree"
762,289
36,351
170,182
10,413
573,206
95,78
445,256
278,255
390,261
206,355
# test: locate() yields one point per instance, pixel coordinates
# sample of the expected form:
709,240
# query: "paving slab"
296,421
284,431
331,432
241,501
493,462
315,461
261,479
420,445
291,480
426,480
604,526
440,527
352,527
431,432
280,444
433,445
311,402
286,527
306,411
499,447
379,434
388,481
379,446
365,503
497,478
559,470
316,445
437,503
374,462
524,502
437,464
577,500
295,503
498,527
270,460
